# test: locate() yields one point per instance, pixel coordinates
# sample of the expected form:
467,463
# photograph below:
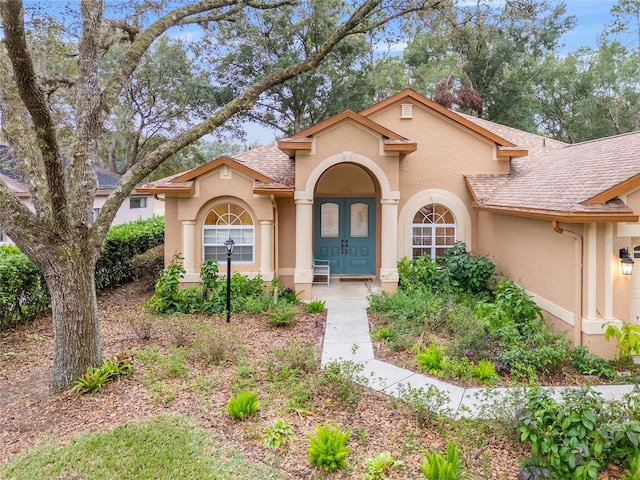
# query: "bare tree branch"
242,102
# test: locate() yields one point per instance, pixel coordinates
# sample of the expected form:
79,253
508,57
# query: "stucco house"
407,177
137,206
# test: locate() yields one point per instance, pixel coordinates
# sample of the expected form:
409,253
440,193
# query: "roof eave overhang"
291,147
512,153
561,216
408,147
616,191
169,189
278,192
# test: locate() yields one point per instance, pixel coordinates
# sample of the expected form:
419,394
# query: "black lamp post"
229,243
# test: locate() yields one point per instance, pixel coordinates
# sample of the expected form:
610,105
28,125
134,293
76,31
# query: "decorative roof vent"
407,110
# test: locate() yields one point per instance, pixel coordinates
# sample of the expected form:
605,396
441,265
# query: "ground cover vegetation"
253,400
456,319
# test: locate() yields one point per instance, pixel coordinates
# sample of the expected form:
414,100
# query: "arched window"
224,221
433,231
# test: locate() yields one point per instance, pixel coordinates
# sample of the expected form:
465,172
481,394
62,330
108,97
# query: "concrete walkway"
347,338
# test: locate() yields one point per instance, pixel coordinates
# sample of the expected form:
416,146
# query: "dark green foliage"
248,295
589,364
23,292
168,298
327,448
122,243
462,272
455,272
437,467
578,436
526,344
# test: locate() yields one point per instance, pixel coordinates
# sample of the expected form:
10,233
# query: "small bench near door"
321,268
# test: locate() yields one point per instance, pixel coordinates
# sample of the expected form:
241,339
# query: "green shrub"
586,363
430,359
167,297
462,272
283,314
632,470
346,379
437,467
23,291
121,244
327,448
510,305
580,434
427,404
277,434
299,357
316,306
243,405
628,337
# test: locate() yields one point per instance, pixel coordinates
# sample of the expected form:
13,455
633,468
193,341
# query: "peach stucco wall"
221,185
532,254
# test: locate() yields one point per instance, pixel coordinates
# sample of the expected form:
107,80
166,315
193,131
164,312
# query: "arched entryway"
345,219
360,190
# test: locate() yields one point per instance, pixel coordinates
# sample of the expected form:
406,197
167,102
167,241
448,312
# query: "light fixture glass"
626,262
229,243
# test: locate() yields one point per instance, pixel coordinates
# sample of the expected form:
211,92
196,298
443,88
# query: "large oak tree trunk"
74,309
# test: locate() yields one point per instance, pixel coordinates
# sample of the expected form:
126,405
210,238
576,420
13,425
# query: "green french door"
344,234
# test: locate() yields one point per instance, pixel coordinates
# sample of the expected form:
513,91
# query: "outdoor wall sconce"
626,262
229,243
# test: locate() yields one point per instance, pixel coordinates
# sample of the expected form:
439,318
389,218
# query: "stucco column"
608,271
389,242
266,250
592,249
189,245
303,275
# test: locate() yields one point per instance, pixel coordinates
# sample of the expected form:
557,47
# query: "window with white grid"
433,231
226,221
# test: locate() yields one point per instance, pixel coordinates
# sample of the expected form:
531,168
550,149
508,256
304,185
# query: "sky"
592,16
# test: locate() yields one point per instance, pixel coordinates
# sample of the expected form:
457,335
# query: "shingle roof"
271,162
564,178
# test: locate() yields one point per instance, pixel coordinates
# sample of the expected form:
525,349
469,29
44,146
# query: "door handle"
346,246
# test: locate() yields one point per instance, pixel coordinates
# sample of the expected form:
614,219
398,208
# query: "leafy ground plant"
316,306
243,405
427,404
113,368
437,467
277,434
327,448
378,466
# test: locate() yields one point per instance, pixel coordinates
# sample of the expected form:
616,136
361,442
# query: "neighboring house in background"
407,177
135,207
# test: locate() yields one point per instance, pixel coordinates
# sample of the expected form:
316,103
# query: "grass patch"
164,447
